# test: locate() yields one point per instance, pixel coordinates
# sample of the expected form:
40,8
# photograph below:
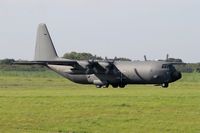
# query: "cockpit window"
165,66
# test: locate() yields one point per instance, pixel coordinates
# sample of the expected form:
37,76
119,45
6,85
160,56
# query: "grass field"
44,102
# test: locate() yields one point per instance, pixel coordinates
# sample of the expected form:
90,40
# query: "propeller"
106,66
91,67
110,67
110,60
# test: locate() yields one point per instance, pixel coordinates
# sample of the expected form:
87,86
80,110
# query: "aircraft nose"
176,76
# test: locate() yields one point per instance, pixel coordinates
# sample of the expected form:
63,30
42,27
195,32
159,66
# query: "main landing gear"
102,86
113,85
118,85
165,85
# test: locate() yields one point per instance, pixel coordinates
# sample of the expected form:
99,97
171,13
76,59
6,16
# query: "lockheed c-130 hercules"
101,73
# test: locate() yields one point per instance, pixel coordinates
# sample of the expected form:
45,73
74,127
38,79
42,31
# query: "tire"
106,86
122,85
165,85
98,86
115,85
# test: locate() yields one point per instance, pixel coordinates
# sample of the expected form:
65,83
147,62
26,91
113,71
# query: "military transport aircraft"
101,73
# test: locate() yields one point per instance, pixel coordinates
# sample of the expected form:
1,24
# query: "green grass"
44,102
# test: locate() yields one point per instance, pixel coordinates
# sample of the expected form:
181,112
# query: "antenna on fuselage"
145,58
167,57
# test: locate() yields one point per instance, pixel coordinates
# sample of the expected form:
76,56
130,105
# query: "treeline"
189,67
6,64
88,56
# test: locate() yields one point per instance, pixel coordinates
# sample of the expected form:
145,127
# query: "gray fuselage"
126,72
101,73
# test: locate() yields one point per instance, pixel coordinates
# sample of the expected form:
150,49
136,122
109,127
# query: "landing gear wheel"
165,85
98,86
115,85
122,85
106,86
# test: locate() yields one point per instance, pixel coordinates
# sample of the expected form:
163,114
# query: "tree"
123,59
88,56
7,61
81,56
198,70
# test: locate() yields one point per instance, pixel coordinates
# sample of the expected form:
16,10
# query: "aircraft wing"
94,66
98,66
53,62
28,63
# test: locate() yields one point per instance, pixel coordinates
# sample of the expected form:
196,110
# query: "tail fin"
44,49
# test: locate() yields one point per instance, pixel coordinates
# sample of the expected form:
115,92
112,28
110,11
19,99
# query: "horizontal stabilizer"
28,63
56,62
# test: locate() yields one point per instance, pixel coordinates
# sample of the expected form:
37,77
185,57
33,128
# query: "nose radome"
179,75
176,76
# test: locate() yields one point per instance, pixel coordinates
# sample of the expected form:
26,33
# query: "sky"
122,28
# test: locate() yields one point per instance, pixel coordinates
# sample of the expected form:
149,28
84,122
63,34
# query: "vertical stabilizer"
44,49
